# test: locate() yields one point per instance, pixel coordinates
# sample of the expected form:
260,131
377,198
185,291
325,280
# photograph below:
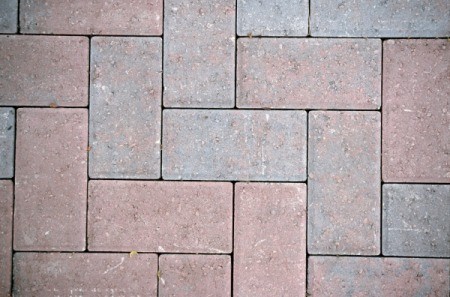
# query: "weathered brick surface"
272,18
415,220
160,216
69,274
373,277
51,179
44,70
270,239
344,183
309,73
125,107
7,134
416,99
8,16
234,145
195,275
132,17
199,46
373,18
6,219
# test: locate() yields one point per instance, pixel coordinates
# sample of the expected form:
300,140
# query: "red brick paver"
6,221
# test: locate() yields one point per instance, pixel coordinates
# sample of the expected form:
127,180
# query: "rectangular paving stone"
8,16
125,107
416,220
272,18
7,134
270,239
344,182
6,221
44,70
195,275
51,179
178,217
97,17
308,73
234,145
416,118
84,274
373,277
199,53
374,18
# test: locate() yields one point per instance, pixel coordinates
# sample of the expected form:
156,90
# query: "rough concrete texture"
374,18
272,18
7,135
8,16
309,73
270,240
98,17
344,182
160,216
416,220
234,145
416,117
44,70
125,107
72,274
374,277
6,225
195,275
199,50
51,179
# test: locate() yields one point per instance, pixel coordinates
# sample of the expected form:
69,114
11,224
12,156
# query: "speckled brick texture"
195,275
344,182
44,70
6,229
68,274
270,239
373,277
125,107
415,220
7,134
8,16
308,73
416,115
51,179
98,17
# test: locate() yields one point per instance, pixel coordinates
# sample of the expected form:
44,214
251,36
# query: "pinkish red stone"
416,100
6,220
190,217
51,179
309,73
97,17
373,277
44,70
81,274
195,275
270,240
344,182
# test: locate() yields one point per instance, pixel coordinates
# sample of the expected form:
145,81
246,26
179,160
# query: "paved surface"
224,148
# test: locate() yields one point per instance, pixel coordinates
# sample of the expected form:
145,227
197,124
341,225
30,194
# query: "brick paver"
344,183
272,18
6,220
374,18
44,70
160,216
74,274
415,220
99,17
373,277
199,42
416,114
195,275
125,108
7,133
8,16
51,179
270,239
309,73
234,145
